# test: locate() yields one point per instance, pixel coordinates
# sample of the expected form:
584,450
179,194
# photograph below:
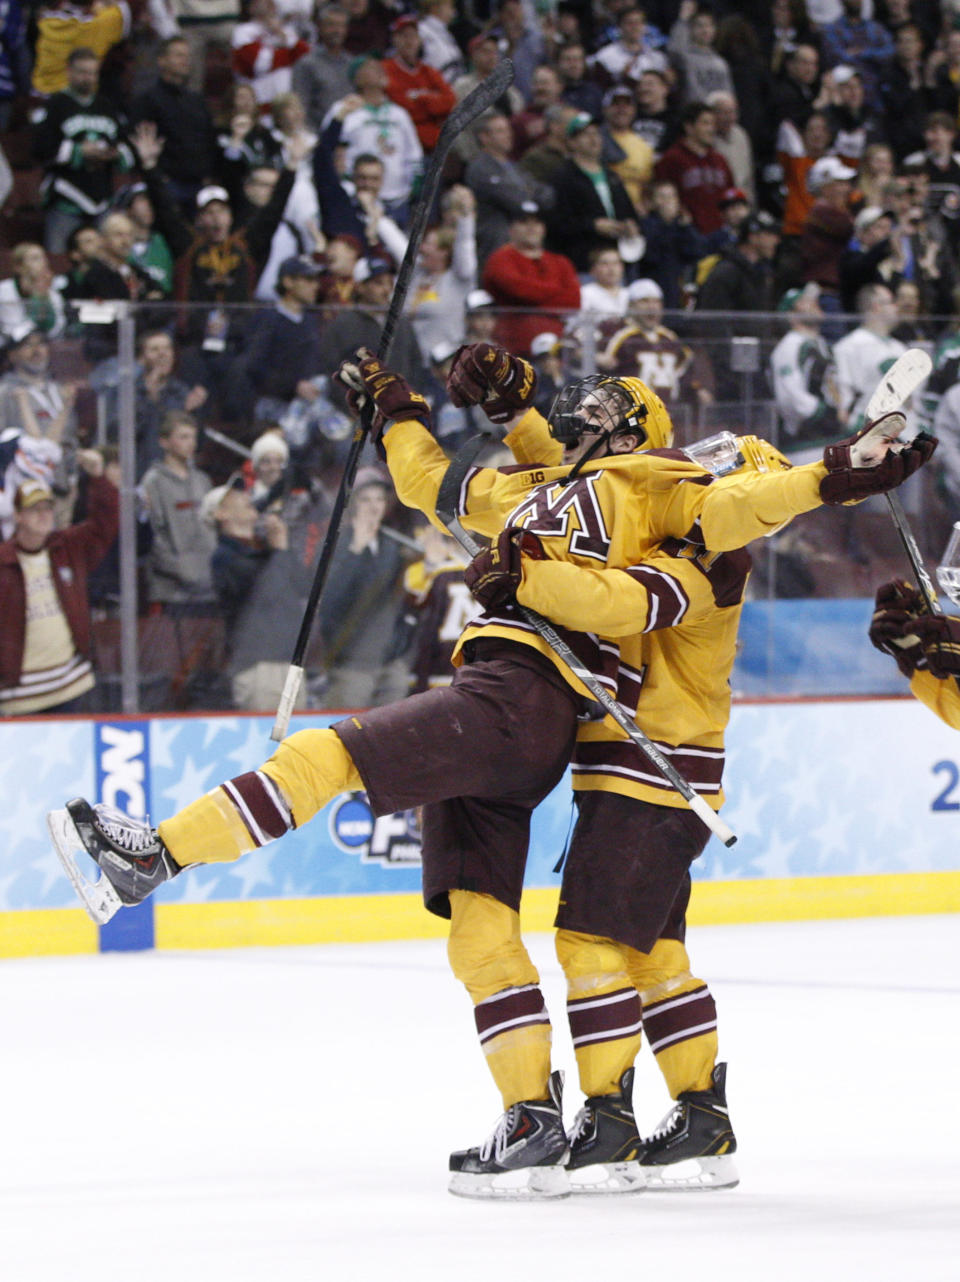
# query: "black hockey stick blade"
463,115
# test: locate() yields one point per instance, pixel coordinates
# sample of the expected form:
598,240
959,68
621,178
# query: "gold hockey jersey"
614,517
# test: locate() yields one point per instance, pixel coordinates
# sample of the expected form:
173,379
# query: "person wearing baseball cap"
281,355
827,227
45,641
416,86
634,167
593,209
216,261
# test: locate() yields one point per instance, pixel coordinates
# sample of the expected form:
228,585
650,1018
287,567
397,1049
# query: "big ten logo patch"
391,840
122,757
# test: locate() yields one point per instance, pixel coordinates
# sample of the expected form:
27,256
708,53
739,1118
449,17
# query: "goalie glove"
393,398
494,575
873,461
898,610
487,375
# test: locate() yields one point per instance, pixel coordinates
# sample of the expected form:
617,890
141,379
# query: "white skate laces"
583,1124
497,1142
669,1124
129,834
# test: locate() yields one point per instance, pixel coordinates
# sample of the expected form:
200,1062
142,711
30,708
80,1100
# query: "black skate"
523,1158
692,1147
605,1144
132,858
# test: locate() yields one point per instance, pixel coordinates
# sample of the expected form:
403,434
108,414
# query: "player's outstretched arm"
738,508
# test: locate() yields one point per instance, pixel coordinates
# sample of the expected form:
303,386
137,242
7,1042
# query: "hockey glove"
494,575
939,639
483,374
873,461
893,628
393,398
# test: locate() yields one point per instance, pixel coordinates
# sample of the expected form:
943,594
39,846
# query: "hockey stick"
547,632
463,115
896,387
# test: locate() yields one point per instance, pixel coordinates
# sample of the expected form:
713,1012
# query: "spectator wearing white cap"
643,347
827,228
546,356
45,641
854,121
480,316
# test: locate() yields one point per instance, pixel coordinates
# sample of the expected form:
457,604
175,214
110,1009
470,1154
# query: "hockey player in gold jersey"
486,749
626,877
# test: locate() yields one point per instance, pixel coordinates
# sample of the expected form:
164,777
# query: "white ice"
284,1115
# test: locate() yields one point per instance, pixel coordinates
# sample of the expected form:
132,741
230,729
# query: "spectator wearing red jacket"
45,640
415,86
264,52
696,168
522,274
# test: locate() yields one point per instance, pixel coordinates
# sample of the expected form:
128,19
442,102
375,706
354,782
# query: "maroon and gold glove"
898,610
393,398
494,575
487,375
940,644
859,467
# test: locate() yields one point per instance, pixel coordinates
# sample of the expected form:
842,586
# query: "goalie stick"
463,115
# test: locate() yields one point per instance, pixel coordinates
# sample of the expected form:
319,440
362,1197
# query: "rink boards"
846,807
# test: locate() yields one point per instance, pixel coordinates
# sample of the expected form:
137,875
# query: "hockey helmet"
760,456
604,405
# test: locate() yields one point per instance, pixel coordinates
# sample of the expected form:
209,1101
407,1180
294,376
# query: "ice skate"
522,1159
692,1147
132,858
605,1144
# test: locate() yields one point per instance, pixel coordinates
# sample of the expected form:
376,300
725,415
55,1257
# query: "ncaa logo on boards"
121,752
391,840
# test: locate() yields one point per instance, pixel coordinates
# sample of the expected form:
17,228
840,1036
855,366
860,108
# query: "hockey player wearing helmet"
484,772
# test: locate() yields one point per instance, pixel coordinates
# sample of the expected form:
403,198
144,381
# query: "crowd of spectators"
755,202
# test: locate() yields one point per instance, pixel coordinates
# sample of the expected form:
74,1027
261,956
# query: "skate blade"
98,897
528,1184
607,1178
697,1174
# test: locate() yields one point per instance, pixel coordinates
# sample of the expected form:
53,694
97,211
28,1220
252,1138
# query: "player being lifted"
489,747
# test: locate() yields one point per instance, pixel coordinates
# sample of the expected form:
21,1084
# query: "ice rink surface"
284,1115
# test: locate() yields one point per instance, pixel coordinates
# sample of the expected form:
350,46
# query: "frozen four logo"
391,840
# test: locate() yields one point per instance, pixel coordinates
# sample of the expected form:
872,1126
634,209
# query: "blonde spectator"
876,170
31,293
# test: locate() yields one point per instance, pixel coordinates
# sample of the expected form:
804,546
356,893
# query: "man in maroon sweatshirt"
700,173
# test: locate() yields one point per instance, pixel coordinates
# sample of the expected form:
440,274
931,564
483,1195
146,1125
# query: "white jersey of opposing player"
790,365
863,357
